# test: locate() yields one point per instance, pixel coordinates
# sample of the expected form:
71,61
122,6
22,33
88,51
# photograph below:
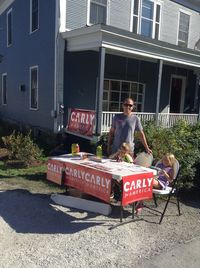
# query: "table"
96,178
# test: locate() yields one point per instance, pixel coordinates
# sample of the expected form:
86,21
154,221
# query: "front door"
177,94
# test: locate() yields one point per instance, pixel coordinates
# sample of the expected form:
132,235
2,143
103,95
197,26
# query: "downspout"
55,111
99,100
158,90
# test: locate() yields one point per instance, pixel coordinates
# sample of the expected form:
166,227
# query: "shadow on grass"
35,213
31,177
35,177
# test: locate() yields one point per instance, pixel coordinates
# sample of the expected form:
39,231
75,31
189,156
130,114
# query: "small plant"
21,147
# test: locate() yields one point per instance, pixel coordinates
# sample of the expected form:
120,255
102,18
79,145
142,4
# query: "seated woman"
164,178
165,172
123,154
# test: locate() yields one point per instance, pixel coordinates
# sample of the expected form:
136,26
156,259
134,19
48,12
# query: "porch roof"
126,43
192,4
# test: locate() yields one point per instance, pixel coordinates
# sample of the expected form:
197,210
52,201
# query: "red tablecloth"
96,178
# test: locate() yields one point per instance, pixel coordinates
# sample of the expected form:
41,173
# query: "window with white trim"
34,15
146,18
34,87
4,89
98,11
116,91
9,27
184,21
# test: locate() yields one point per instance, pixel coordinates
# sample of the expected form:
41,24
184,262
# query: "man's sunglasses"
128,105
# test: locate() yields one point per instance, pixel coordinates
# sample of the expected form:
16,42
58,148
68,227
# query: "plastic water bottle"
75,149
99,151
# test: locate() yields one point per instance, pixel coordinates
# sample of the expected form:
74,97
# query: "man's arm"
144,142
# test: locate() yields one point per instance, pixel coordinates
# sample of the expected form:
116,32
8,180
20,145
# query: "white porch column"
160,62
99,99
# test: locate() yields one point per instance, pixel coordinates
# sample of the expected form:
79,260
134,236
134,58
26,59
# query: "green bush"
183,140
21,147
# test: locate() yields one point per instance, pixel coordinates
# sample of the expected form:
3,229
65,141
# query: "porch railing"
164,119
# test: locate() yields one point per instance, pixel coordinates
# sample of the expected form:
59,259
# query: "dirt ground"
35,232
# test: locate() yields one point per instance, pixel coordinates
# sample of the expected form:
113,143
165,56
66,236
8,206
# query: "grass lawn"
32,179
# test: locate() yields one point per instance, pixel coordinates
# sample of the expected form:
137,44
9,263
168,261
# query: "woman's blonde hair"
170,157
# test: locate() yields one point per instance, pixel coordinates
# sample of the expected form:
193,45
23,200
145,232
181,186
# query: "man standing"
123,129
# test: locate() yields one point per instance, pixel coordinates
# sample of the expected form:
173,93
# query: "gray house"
58,55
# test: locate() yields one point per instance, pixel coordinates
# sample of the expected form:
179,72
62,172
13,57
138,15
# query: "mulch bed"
4,156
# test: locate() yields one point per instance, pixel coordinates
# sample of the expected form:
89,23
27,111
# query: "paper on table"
101,160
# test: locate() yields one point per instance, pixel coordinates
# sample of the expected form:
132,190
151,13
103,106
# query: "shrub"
21,147
183,140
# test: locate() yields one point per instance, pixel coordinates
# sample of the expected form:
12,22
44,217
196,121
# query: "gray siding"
76,14
120,14
194,34
169,23
29,50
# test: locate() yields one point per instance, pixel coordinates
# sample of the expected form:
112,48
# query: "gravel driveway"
34,232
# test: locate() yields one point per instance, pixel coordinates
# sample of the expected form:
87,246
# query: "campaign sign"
81,122
88,180
137,187
54,171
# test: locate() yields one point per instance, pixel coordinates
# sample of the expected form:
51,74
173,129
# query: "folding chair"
169,191
144,159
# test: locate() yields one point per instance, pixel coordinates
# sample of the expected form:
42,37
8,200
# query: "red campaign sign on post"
88,180
54,171
81,121
137,187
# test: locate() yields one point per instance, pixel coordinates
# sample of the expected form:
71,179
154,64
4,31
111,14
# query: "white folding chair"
144,159
169,191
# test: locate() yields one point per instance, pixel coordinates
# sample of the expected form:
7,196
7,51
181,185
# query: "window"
9,28
146,18
115,91
4,89
34,15
34,87
98,11
184,21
